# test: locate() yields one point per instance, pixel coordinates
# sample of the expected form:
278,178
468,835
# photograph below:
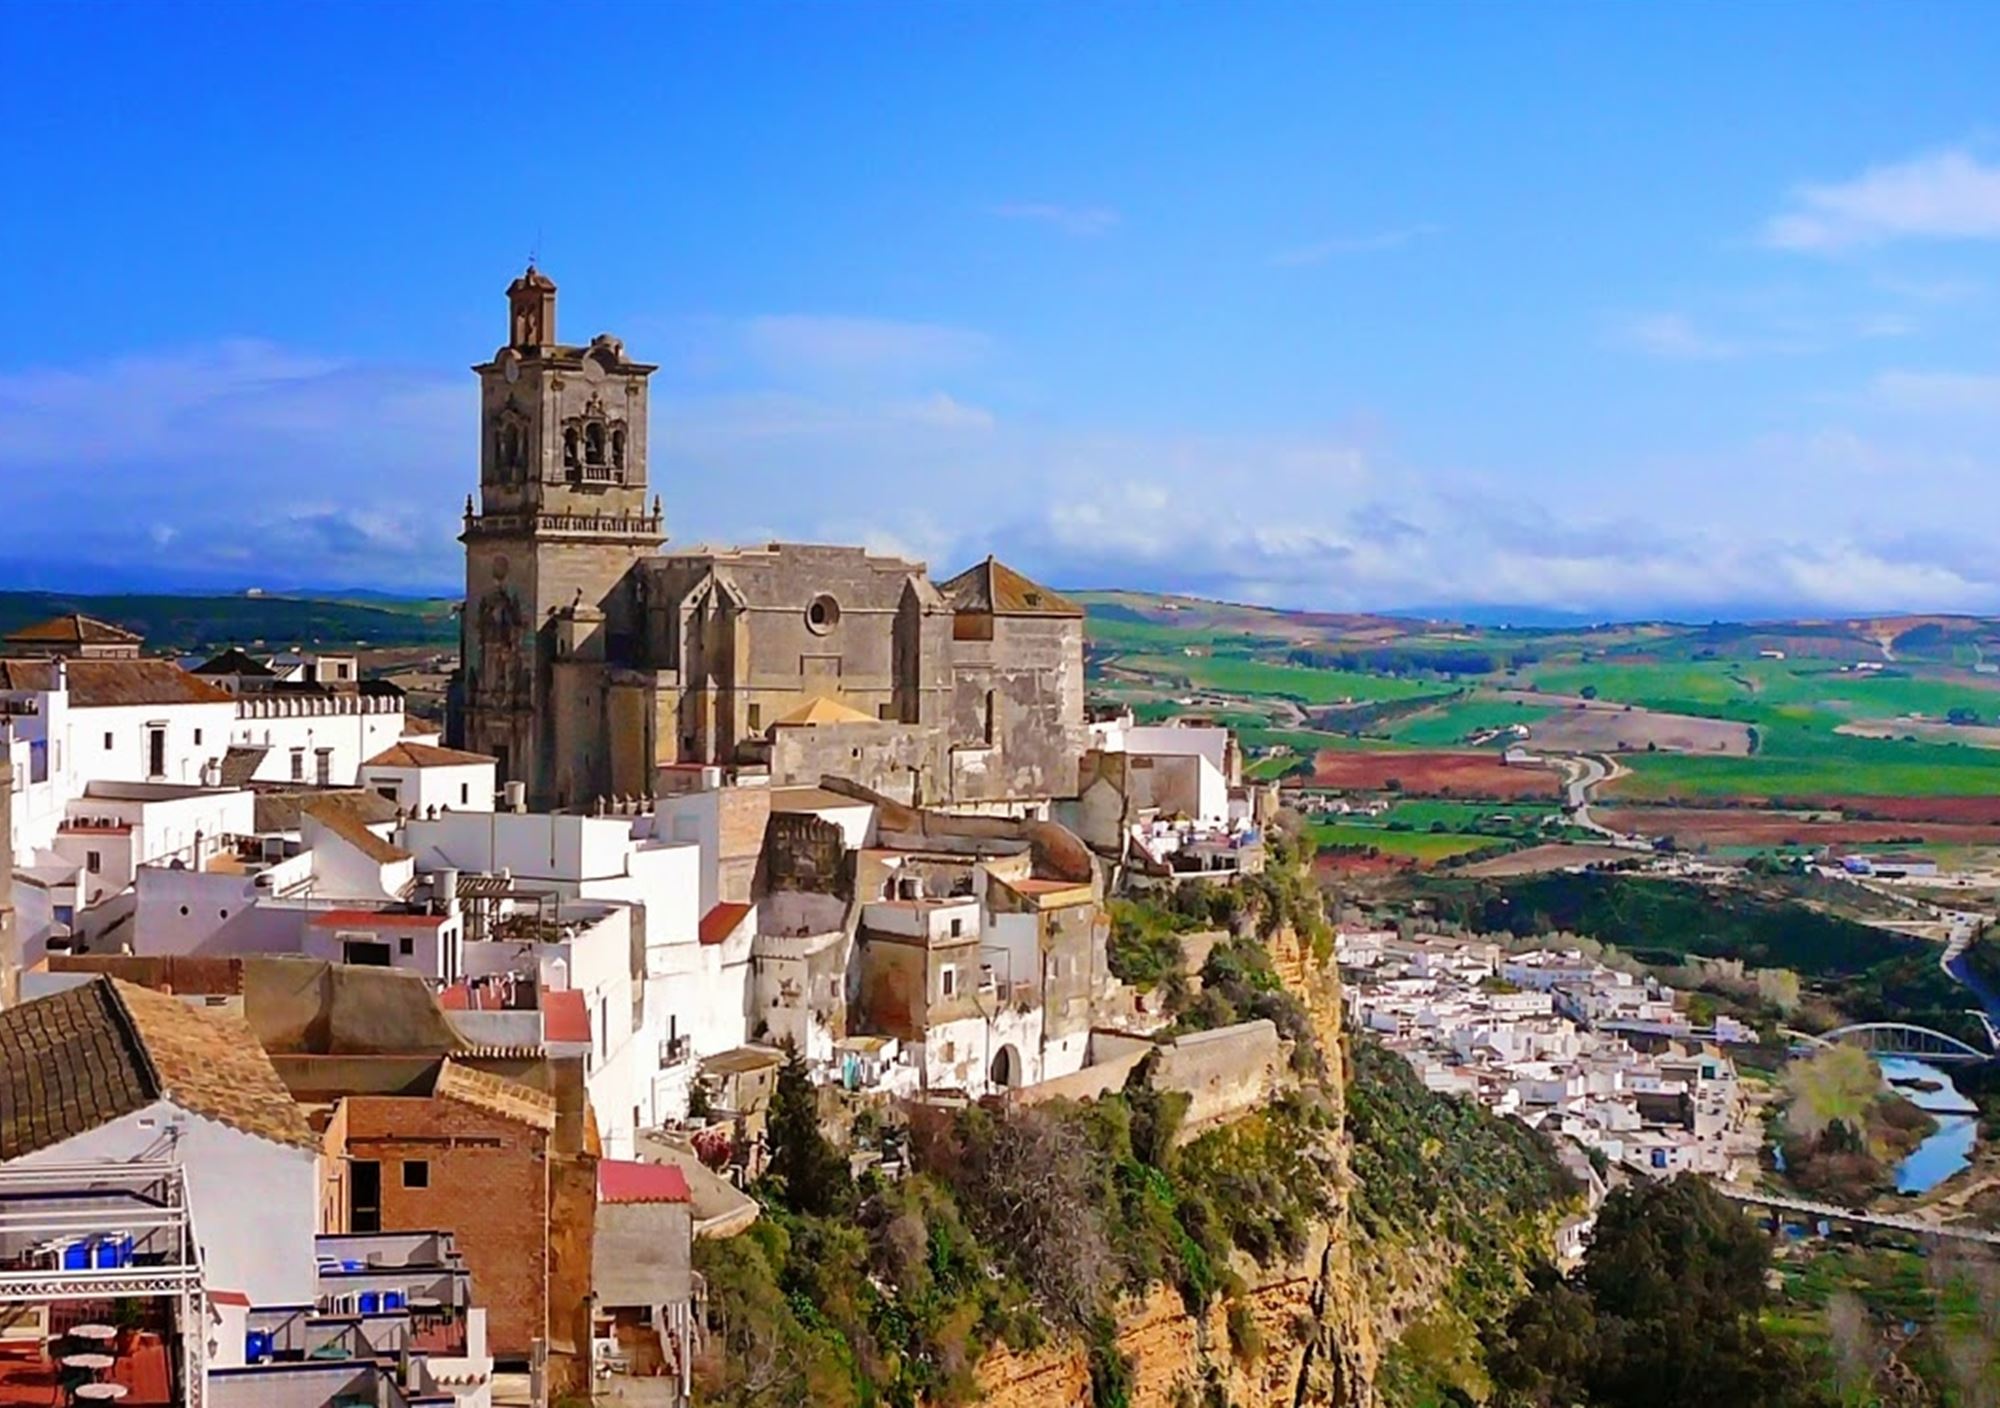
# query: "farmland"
1728,738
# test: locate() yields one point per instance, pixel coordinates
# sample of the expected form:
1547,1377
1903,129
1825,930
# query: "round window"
823,614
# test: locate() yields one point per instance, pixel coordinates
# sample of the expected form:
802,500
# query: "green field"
1448,724
1795,706
1426,847
1235,674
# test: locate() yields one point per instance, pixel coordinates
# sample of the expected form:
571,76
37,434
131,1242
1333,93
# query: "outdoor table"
102,1393
94,1362
93,1332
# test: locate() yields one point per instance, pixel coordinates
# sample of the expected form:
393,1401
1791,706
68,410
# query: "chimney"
516,794
444,890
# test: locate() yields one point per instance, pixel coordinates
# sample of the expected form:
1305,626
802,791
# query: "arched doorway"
1006,1071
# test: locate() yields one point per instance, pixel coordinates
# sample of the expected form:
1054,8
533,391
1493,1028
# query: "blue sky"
1613,309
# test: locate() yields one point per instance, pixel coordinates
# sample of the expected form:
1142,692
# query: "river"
1949,1149
1946,1150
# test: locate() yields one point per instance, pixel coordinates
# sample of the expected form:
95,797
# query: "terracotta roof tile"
103,683
496,1095
74,629
75,1061
342,821
423,755
994,587
721,921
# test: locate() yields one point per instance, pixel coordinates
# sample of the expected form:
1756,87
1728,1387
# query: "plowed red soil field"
1424,773
1961,809
1741,826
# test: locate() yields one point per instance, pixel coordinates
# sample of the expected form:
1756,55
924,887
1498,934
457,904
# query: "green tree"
808,1174
1665,1313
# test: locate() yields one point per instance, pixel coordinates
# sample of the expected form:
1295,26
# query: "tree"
1664,1313
809,1173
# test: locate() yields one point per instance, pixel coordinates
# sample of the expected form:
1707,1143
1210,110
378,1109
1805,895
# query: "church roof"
824,710
995,588
73,629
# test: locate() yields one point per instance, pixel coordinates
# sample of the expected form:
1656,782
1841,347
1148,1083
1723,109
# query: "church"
592,657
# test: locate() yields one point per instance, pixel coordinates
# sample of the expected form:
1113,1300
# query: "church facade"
592,658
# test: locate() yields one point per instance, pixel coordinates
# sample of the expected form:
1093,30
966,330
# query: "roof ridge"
135,1041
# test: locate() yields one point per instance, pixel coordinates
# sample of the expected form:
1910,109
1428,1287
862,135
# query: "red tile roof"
101,683
720,922
74,629
375,919
621,1181
423,755
229,1297
564,1017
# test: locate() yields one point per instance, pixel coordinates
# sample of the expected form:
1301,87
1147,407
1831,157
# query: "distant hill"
1141,620
197,623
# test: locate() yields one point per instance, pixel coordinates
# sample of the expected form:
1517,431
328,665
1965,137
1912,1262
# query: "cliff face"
1312,1341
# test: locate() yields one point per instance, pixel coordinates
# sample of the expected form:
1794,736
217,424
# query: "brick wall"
487,1186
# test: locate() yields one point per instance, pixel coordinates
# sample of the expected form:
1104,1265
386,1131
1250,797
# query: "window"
756,718
156,750
364,1196
886,713
93,862
197,738
364,952
464,794
406,946
957,928
107,743
388,793
416,1173
948,980
298,765
822,614
323,767
992,717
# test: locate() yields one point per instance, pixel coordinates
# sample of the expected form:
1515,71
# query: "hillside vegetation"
195,623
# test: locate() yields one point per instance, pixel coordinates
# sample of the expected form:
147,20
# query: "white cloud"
807,343
944,412
1948,195
1305,255
1674,335
1947,392
1083,221
256,464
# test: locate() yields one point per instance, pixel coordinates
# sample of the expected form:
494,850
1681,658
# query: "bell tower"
560,521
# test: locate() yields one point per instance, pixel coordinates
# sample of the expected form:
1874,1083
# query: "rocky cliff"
1298,1334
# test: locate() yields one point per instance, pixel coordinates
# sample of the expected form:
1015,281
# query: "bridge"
1901,1039
1828,1212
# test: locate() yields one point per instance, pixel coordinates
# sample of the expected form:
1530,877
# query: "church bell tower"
560,522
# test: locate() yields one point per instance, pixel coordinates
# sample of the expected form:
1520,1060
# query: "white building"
151,1079
424,780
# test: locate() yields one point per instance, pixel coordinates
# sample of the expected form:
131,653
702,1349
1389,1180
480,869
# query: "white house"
424,780
152,1079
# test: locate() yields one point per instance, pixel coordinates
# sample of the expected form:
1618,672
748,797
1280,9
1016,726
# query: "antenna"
535,249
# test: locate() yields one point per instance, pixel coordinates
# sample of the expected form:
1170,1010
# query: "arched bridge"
1901,1039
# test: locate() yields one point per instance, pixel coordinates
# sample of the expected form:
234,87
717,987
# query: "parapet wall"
1225,1073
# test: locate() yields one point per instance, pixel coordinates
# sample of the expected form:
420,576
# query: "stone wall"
1225,1073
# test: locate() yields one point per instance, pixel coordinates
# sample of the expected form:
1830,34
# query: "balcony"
676,1051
